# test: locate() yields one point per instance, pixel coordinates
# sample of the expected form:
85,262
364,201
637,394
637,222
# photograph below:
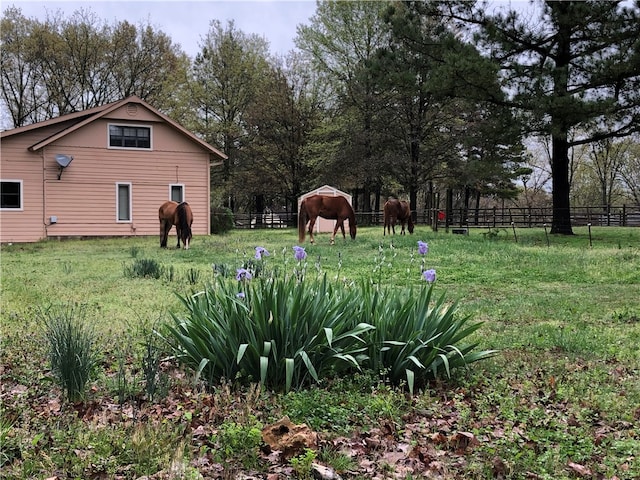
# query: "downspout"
44,194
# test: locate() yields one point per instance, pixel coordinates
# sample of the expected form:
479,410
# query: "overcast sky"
187,22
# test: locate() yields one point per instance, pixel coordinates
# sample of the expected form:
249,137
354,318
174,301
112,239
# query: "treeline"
428,100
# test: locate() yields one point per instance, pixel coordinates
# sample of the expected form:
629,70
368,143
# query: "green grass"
564,389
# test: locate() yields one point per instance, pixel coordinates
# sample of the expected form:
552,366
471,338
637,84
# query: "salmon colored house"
101,172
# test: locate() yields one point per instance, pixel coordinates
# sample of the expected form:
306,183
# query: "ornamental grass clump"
277,331
72,353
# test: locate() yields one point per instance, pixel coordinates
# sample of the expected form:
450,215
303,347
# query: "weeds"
239,442
302,463
9,449
125,385
193,276
156,382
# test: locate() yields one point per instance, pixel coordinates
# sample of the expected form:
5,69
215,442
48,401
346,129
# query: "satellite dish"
63,162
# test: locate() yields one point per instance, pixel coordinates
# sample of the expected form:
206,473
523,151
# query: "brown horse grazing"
332,208
397,210
178,214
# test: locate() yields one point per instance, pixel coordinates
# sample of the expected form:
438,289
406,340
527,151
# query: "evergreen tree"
576,70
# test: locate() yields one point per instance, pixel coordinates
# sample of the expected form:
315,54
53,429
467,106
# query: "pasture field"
560,400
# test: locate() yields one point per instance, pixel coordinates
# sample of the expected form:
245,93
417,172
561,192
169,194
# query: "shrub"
72,352
221,220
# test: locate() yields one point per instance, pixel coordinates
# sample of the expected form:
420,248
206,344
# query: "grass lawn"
560,400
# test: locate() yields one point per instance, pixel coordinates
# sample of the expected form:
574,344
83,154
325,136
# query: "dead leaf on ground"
579,469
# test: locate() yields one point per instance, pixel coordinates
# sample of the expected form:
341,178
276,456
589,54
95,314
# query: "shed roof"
326,190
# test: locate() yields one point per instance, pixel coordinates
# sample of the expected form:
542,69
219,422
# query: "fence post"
624,215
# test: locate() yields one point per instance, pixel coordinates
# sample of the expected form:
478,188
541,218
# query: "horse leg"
312,223
333,235
178,233
342,228
164,233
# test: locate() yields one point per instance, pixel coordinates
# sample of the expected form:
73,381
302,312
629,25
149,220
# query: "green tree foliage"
576,68
65,65
342,40
20,93
446,130
598,179
630,172
226,76
280,122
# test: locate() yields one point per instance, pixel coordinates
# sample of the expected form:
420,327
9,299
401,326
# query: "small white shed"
322,224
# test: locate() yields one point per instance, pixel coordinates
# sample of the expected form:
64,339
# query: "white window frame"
21,183
172,186
130,187
131,125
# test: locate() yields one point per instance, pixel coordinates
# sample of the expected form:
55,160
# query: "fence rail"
613,216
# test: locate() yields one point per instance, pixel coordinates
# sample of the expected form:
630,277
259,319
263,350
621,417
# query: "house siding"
84,199
18,163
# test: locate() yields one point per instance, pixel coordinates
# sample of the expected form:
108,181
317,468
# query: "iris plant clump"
288,331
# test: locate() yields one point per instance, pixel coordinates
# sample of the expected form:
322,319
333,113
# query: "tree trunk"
561,219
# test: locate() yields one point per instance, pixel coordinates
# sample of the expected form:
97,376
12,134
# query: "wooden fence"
614,216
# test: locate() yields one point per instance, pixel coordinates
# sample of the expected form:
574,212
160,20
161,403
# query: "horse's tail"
163,232
183,219
385,218
303,218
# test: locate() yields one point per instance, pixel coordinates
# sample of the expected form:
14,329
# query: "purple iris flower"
260,251
299,253
429,275
240,295
243,274
423,247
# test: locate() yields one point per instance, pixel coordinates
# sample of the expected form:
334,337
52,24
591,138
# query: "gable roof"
87,116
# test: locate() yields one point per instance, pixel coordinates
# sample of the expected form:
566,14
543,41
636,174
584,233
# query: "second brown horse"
332,208
178,214
397,210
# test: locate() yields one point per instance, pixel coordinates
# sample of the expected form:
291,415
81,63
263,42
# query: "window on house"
177,193
123,202
11,194
129,136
